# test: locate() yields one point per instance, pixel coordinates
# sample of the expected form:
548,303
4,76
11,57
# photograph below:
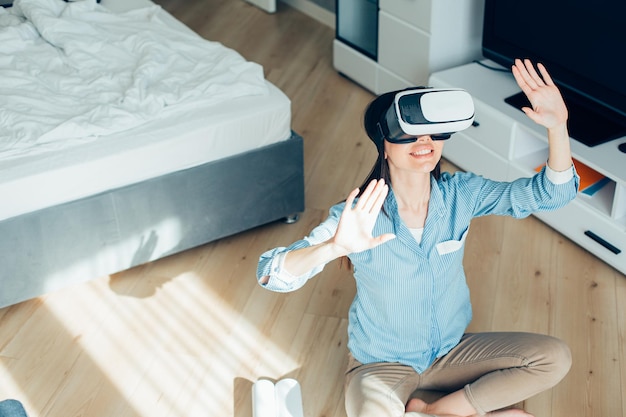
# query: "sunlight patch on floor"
176,353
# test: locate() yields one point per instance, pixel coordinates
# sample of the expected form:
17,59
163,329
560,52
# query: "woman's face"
419,156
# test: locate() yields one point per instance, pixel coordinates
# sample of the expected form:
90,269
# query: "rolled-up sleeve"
271,263
560,177
280,280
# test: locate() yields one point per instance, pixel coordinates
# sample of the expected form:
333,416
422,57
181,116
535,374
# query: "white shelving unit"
415,38
507,145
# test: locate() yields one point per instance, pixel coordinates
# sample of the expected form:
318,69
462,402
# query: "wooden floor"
188,335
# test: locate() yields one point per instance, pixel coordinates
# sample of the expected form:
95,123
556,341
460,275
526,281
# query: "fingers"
354,231
527,77
536,80
532,115
380,198
383,238
521,76
351,197
548,108
373,197
544,74
365,195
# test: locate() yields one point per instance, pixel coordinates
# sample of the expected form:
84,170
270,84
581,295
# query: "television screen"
583,46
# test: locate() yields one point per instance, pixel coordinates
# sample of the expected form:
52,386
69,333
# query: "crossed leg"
485,372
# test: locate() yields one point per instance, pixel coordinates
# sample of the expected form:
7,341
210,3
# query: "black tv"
583,46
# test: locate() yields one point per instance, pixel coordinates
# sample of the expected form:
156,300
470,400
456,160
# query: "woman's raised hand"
354,232
548,108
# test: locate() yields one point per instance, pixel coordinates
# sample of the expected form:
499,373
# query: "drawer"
354,65
390,81
414,12
403,49
591,231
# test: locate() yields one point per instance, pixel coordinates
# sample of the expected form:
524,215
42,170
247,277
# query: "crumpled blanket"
71,72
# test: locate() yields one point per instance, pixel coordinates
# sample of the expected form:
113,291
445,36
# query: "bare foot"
416,405
419,406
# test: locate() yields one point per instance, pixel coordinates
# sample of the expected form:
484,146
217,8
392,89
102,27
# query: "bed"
118,148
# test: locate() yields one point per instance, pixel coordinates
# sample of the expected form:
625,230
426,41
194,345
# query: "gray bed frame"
53,248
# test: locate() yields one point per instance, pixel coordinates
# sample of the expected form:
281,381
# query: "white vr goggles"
437,112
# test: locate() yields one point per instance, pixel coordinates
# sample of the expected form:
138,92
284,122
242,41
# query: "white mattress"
180,138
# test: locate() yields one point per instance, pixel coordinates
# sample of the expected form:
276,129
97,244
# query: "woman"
404,236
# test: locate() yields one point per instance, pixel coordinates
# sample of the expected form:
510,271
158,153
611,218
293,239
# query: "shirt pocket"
450,246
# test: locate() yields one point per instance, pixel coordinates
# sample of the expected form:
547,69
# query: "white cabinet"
507,145
415,38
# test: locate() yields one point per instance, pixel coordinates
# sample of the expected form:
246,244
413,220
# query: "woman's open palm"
548,108
354,232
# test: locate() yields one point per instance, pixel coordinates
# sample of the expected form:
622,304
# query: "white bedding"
52,171
70,72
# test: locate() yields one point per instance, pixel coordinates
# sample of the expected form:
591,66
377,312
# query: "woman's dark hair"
373,113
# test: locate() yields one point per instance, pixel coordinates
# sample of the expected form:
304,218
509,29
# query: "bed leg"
292,218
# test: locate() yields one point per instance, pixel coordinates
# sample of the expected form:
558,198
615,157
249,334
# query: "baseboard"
313,10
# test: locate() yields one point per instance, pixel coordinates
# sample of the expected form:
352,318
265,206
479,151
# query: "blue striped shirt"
412,303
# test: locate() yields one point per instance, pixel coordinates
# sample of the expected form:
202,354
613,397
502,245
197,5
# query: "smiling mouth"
422,152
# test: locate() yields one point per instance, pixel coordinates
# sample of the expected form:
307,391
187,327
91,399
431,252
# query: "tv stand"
588,123
505,145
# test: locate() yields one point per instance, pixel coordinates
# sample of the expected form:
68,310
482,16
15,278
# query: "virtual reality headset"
437,112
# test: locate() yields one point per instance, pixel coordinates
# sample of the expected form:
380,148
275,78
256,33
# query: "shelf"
619,205
602,201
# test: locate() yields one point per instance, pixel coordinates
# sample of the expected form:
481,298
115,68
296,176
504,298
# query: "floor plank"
189,334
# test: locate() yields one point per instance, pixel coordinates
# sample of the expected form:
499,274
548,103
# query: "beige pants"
496,370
